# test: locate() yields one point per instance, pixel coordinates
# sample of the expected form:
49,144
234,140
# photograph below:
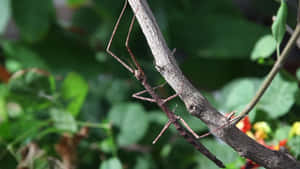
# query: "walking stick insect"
139,74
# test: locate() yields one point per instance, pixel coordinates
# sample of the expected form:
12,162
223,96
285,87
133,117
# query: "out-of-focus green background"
65,103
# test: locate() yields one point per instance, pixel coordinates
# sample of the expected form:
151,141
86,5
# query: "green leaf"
5,12
133,129
194,122
75,3
117,91
21,57
227,43
13,65
158,117
52,83
236,164
237,94
30,81
3,112
108,87
241,93
31,89
166,150
298,74
132,120
14,110
297,98
6,130
278,27
74,91
264,47
143,163
112,163
101,57
86,19
282,132
63,120
107,145
41,162
279,97
225,153
32,17
3,109
294,144
20,131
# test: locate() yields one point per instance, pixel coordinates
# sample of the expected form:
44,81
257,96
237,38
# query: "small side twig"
270,76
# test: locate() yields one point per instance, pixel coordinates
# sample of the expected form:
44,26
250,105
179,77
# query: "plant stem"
270,76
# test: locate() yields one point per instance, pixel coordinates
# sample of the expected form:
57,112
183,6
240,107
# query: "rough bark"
194,101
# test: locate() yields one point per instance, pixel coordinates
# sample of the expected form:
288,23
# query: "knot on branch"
195,109
160,69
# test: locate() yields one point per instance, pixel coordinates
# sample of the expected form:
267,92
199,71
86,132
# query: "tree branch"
194,101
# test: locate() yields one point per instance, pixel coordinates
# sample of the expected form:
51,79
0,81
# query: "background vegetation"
65,103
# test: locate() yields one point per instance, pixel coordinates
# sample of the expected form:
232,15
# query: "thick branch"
196,104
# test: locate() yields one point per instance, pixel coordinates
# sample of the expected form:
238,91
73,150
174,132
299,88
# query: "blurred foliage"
56,79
